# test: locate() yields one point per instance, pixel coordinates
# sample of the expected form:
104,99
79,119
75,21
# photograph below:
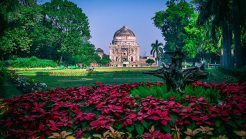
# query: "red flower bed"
88,110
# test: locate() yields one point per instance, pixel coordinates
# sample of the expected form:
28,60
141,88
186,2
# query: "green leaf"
167,129
146,124
130,129
217,123
139,128
192,125
117,126
231,123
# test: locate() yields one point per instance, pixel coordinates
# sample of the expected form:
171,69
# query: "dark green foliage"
198,42
150,61
56,30
172,22
211,94
104,61
155,91
225,16
85,55
8,6
32,62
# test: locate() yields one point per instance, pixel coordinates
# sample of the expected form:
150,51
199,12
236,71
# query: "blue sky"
107,16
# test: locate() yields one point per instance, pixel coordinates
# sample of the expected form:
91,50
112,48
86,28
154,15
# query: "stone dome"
99,50
124,31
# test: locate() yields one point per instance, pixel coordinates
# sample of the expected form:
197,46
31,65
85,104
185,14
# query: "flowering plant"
27,85
84,111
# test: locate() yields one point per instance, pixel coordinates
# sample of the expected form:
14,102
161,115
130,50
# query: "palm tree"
156,50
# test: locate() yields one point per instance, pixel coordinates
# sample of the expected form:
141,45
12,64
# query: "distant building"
124,50
100,52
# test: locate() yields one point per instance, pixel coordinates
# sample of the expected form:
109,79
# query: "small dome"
99,50
124,31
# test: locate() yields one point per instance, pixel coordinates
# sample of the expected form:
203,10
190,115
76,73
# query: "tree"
227,16
85,55
198,41
172,22
150,61
72,24
156,50
15,41
238,21
104,61
56,30
8,6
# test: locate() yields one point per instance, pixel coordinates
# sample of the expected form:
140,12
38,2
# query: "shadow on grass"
8,90
90,79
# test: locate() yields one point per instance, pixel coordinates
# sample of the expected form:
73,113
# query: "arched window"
124,59
131,58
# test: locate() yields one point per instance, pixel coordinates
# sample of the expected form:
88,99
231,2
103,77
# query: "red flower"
157,135
102,122
52,125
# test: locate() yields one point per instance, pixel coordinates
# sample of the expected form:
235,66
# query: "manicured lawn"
54,77
78,77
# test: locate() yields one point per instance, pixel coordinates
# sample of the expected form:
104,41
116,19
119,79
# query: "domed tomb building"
124,49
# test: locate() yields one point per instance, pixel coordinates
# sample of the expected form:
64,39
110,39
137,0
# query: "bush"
31,62
211,94
27,85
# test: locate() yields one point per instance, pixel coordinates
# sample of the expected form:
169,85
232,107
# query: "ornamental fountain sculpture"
177,78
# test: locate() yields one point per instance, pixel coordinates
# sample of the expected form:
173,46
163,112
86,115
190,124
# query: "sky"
107,16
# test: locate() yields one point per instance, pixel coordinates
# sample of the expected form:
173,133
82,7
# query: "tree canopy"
172,21
57,30
226,16
205,27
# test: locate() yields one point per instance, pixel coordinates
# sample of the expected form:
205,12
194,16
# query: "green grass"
218,76
55,77
9,90
79,77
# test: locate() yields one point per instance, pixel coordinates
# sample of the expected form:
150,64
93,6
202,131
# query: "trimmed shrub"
31,62
27,85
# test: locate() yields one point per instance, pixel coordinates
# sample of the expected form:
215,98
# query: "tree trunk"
156,61
1,23
237,41
226,61
61,60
